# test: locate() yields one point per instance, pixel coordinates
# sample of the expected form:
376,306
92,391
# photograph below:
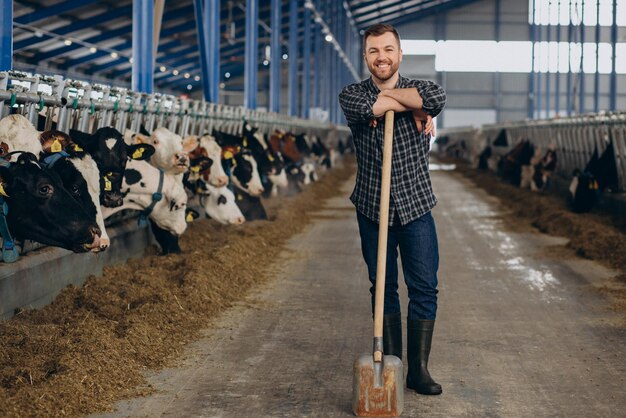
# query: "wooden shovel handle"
383,227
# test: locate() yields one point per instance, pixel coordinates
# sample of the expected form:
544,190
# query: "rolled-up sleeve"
357,104
433,96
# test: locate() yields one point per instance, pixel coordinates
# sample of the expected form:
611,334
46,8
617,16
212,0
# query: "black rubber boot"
392,335
419,338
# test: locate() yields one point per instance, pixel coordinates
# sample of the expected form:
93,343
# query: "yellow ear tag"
195,168
2,192
107,185
269,157
189,218
77,148
245,142
56,146
234,162
138,153
239,197
228,155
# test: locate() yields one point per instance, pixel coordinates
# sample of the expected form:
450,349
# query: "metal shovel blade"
378,389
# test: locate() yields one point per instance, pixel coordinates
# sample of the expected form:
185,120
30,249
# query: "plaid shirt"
411,191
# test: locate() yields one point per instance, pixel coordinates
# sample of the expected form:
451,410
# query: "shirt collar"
374,88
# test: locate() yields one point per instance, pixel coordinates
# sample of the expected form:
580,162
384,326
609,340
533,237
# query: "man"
411,226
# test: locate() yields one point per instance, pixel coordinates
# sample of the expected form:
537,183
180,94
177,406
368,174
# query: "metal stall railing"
574,138
77,105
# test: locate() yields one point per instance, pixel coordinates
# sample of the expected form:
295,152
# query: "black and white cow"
41,209
600,174
251,206
240,163
111,154
219,204
271,165
171,152
139,184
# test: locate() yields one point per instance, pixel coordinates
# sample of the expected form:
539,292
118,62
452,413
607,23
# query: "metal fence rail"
78,105
575,138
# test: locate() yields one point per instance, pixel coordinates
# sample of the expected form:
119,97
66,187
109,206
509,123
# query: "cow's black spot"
142,184
221,200
132,176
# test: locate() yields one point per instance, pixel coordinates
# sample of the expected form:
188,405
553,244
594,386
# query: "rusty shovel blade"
378,387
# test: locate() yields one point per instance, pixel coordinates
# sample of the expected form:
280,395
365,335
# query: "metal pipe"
6,45
143,63
275,47
570,31
613,88
596,78
306,65
203,46
212,21
497,81
317,54
548,75
250,66
532,29
557,93
581,92
293,58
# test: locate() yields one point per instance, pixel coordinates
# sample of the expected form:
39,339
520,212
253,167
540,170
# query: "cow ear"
190,143
55,141
191,215
143,130
82,139
139,151
5,179
141,139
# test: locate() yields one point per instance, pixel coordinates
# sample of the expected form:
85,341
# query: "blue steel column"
538,84
548,75
531,77
203,46
497,75
613,88
570,31
143,64
557,93
306,65
317,58
275,54
6,46
293,57
212,19
596,77
581,97
251,55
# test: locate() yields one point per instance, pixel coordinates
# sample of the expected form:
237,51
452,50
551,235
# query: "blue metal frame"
143,33
53,10
251,56
306,65
293,58
203,46
538,84
275,49
76,26
596,76
582,93
570,31
212,78
317,53
532,29
613,79
557,93
6,46
548,75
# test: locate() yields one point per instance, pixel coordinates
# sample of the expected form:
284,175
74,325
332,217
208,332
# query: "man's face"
383,55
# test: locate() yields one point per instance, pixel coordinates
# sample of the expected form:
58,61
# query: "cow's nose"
240,220
222,181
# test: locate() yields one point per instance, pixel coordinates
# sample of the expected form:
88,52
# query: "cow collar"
50,160
9,252
156,197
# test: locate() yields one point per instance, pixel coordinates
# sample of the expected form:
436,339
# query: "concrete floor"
519,334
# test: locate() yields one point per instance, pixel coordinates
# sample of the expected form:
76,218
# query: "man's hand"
424,122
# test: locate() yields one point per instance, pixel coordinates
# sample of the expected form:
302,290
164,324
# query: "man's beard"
393,69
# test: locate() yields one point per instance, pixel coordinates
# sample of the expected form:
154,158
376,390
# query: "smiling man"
411,225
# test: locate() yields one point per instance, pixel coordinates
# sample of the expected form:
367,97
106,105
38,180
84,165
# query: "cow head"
245,174
171,152
42,210
219,204
108,149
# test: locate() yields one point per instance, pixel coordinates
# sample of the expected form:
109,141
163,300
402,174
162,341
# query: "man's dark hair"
379,29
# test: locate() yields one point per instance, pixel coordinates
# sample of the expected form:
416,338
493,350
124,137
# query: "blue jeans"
420,260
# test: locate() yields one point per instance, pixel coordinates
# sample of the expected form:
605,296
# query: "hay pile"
91,346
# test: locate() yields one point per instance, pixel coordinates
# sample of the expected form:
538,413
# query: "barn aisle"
520,333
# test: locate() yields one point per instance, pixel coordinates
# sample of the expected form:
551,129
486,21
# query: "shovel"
378,385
